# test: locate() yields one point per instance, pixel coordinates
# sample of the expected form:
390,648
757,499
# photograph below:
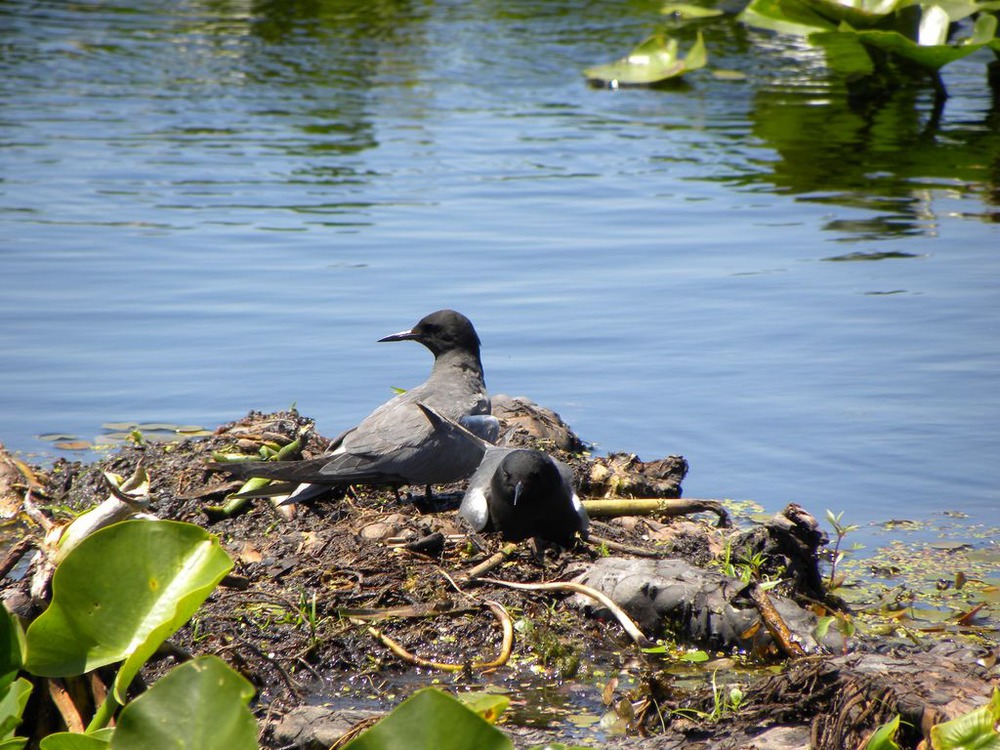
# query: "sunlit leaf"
487,705
120,594
933,26
431,718
13,699
858,13
930,57
884,738
785,17
684,11
975,729
200,704
74,741
656,59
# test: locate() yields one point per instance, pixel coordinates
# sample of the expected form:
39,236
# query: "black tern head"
442,331
524,493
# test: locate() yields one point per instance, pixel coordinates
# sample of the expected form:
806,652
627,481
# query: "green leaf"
685,12
793,17
858,13
76,741
884,738
199,704
972,731
432,720
14,743
120,594
931,57
13,699
11,647
487,705
656,59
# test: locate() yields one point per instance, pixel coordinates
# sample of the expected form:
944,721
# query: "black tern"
524,493
431,450
400,442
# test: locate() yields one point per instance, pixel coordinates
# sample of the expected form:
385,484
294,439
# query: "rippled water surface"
210,207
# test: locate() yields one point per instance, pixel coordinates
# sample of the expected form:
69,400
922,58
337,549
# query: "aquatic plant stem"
104,713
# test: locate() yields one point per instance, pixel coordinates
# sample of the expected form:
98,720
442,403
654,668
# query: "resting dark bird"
399,443
433,450
524,493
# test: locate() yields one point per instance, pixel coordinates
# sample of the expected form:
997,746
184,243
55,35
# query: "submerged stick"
680,506
624,620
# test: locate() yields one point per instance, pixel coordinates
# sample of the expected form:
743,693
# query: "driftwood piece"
681,506
624,475
700,606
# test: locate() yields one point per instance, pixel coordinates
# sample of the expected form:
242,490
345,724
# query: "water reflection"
894,159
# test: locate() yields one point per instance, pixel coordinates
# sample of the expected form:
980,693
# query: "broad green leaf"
975,730
13,699
656,59
14,743
122,592
785,17
884,738
76,741
432,720
199,704
487,705
11,647
860,14
930,57
686,12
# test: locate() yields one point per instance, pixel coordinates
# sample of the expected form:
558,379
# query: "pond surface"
210,207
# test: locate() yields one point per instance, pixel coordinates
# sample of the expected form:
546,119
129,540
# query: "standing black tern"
524,493
400,442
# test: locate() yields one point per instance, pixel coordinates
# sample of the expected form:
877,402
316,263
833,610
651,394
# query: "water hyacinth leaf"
13,699
959,9
929,57
884,738
199,704
860,14
74,741
11,647
792,17
431,718
933,26
120,594
656,59
976,729
984,31
685,12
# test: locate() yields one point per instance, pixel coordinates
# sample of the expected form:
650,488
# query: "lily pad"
120,594
656,59
202,703
432,718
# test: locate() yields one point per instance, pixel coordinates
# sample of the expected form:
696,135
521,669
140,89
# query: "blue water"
214,207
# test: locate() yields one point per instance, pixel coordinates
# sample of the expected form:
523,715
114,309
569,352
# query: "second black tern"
524,493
